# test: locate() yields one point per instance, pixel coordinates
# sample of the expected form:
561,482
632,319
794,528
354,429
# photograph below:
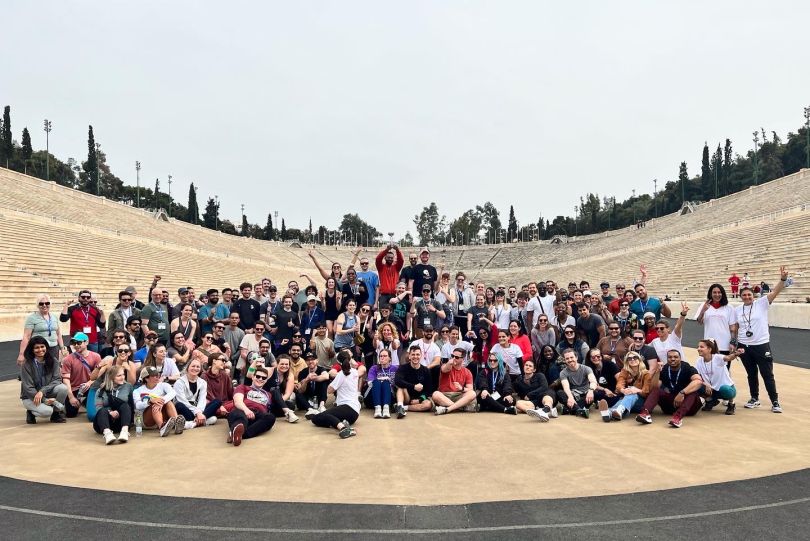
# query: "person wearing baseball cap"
79,371
426,311
311,317
607,298
423,273
154,398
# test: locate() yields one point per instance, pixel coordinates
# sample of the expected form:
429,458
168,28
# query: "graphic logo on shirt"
258,397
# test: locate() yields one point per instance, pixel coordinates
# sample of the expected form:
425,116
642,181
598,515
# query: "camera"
749,334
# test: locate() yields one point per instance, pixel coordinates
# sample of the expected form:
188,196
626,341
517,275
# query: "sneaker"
676,421
322,408
730,408
346,431
401,413
180,424
30,418
617,414
291,417
510,410
753,403
236,434
211,421
644,417
775,407
109,437
538,414
710,404
58,416
311,412
188,425
167,427
440,410
583,412
553,412
377,412
604,411
386,413
123,437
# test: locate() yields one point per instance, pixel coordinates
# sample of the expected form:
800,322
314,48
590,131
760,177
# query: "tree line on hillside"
723,172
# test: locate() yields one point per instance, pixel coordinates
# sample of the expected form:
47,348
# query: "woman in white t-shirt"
500,313
668,340
512,355
754,339
718,318
713,369
347,405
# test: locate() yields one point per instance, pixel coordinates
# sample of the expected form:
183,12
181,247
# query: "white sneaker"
123,437
386,413
311,412
377,412
211,421
440,410
188,425
291,417
109,437
554,412
167,427
538,414
322,408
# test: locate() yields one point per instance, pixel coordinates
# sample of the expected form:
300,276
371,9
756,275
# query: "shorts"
419,398
454,396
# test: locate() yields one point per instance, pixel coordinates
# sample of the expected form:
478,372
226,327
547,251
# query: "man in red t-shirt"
84,318
389,262
250,416
734,280
455,389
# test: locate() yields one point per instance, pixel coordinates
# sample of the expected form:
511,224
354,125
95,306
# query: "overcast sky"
323,108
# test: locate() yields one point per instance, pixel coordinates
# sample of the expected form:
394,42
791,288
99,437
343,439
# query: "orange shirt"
455,375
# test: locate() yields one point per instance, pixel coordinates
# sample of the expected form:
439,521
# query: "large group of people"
402,339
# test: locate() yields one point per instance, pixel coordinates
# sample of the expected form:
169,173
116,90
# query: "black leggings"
334,416
318,393
104,421
490,404
261,423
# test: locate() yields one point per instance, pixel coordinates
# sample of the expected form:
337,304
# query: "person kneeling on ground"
534,397
192,397
154,399
455,390
675,388
250,416
578,386
41,389
347,405
114,406
494,385
713,370
381,379
413,383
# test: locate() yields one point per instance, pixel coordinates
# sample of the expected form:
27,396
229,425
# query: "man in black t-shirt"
247,308
423,273
675,388
406,274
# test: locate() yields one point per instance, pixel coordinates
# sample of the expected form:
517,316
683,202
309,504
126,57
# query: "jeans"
210,410
381,393
756,360
43,410
103,420
628,402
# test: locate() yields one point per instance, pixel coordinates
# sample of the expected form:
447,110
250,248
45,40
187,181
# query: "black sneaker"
710,404
510,410
730,408
30,418
58,417
753,403
401,413
775,407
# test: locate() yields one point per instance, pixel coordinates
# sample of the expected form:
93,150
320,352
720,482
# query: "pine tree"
269,234
90,174
210,214
6,139
27,151
193,212
511,229
245,226
283,230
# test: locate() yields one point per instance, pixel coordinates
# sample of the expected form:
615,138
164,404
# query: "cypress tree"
193,212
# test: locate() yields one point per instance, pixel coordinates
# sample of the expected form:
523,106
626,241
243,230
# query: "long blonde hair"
109,377
642,370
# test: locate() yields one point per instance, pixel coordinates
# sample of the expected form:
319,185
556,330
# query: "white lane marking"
418,531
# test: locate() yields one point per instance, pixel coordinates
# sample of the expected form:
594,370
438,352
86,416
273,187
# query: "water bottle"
138,423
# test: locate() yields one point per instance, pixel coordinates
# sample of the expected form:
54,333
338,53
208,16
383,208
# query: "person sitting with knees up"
494,386
455,390
534,397
114,407
219,387
310,392
41,389
578,386
347,406
713,370
381,378
250,416
632,385
192,397
154,398
413,383
675,388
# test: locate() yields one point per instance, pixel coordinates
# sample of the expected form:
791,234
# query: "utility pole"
216,213
655,196
47,128
576,221
170,196
634,205
807,129
138,182
98,168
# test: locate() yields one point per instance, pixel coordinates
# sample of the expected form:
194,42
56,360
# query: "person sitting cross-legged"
494,386
534,397
455,389
250,416
412,381
675,388
578,386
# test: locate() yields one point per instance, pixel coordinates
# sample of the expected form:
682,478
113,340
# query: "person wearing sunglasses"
155,398
624,318
613,346
632,385
250,414
44,324
571,341
122,356
150,340
79,371
125,310
668,340
639,346
494,386
455,390
135,330
84,318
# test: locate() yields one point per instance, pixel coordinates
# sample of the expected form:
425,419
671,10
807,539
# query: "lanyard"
86,314
494,380
674,382
613,346
49,323
748,319
643,306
